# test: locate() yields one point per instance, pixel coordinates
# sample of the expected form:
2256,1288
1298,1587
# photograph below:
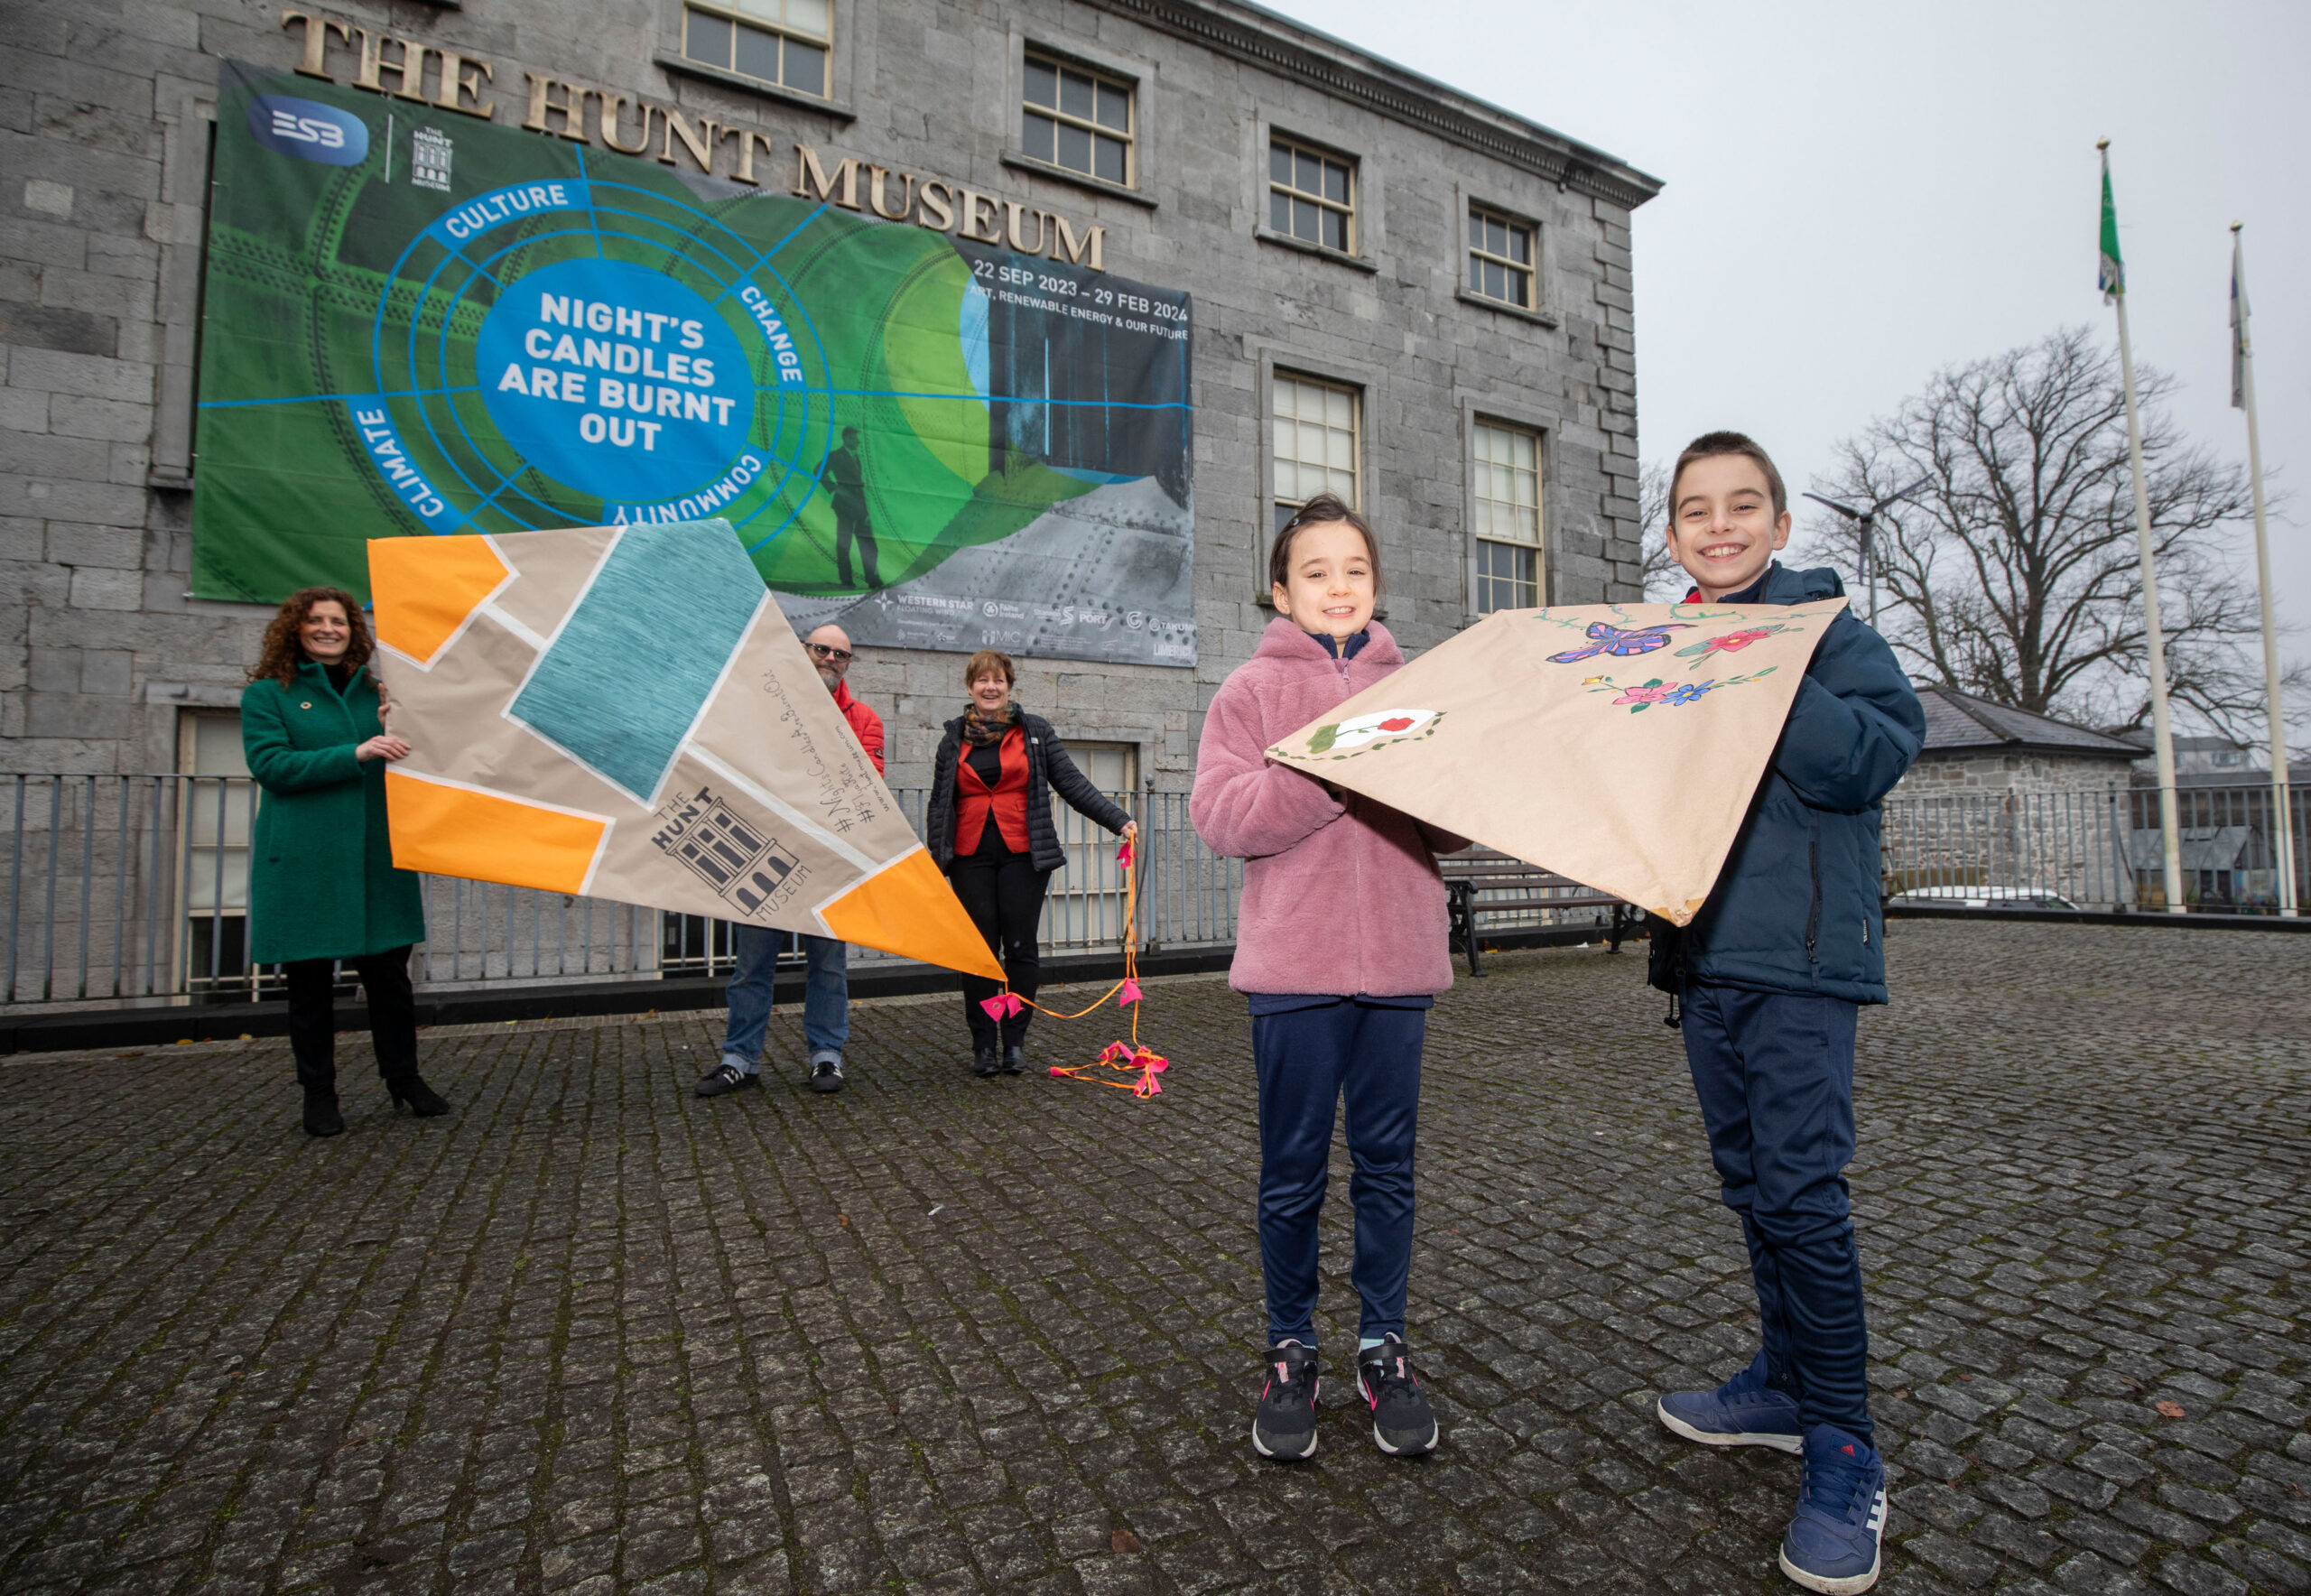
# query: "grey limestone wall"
102,148
1937,773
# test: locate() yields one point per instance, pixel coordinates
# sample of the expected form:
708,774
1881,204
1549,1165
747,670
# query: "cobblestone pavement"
942,1333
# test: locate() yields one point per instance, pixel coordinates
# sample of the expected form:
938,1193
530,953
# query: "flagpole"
2243,354
2162,734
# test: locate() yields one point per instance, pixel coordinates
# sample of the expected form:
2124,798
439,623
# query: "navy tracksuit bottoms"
1310,1059
1774,1074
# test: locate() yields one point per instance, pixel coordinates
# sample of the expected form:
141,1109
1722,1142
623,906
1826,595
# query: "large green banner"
416,323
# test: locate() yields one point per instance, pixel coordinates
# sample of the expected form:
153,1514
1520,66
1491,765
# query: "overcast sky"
1858,195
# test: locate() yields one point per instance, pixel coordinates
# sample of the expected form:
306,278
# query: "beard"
833,679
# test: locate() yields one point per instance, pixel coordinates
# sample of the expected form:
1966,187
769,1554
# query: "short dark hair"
1709,446
1321,511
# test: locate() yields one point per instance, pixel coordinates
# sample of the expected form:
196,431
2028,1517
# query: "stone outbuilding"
1975,746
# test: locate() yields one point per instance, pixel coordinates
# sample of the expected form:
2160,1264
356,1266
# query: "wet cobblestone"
937,1334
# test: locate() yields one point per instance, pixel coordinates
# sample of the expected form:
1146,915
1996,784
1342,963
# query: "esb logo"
308,129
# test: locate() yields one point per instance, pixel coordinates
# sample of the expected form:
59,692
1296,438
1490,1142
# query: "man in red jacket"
826,993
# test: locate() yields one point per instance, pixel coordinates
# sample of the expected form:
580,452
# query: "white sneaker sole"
1851,1585
1789,1444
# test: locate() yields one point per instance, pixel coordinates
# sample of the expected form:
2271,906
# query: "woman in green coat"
322,886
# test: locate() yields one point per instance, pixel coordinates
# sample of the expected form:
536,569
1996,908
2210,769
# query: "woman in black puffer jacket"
988,824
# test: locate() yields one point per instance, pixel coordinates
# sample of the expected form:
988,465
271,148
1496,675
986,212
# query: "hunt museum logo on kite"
741,861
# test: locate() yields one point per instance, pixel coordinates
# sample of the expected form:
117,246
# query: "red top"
865,724
1007,800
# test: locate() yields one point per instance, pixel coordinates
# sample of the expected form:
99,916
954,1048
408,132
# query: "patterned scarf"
983,731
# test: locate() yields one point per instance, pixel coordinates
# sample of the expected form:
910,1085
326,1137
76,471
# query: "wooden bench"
1482,869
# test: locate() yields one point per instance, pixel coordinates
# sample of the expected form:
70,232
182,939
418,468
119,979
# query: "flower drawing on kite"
1360,733
1732,642
1672,694
1604,637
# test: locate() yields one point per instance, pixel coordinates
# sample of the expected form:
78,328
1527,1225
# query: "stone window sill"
1018,162
688,67
1540,318
1287,241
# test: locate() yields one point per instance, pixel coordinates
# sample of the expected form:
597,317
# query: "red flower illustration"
1396,723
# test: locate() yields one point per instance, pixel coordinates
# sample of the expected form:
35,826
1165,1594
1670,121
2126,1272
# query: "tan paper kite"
623,712
1617,744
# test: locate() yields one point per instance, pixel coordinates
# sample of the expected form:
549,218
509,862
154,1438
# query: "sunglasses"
826,653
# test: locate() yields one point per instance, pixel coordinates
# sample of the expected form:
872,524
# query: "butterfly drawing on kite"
1607,638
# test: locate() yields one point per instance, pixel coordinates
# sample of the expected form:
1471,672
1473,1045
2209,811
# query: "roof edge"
2005,741
1262,38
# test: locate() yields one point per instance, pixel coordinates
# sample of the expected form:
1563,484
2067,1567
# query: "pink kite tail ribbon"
1123,854
1002,1005
1130,993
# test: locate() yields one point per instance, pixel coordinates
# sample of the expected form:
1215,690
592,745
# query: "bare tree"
2014,573
1665,581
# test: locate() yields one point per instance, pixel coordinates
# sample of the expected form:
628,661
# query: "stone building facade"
1974,746
1396,288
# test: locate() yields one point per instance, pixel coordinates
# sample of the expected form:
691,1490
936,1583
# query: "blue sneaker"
1742,1412
1832,1541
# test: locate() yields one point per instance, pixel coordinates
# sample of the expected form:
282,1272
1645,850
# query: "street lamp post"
1865,524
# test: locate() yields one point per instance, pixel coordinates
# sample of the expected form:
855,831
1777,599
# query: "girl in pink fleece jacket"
1340,947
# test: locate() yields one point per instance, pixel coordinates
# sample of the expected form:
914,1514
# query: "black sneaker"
826,1071
1285,1427
726,1078
1402,1423
984,1061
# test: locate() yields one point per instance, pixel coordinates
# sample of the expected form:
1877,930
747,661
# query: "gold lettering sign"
388,63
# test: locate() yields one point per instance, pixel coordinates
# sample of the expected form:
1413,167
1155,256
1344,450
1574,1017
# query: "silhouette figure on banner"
844,476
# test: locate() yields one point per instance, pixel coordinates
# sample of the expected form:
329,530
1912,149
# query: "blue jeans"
826,994
1775,1075
1308,1061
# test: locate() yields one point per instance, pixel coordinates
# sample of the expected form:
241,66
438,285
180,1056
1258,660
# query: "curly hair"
283,649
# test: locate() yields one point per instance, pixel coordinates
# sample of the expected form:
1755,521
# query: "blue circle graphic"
615,380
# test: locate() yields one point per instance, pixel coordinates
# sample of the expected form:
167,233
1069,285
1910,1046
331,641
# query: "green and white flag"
2112,279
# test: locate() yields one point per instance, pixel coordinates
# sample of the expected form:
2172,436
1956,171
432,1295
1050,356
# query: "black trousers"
845,531
312,1016
1003,897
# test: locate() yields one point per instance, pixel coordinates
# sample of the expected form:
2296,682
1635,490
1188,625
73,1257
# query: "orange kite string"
1139,1066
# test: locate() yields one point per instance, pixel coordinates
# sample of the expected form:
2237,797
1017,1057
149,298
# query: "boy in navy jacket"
1771,973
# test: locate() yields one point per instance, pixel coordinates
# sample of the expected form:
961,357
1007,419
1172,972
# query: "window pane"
1035,137
1339,450
1515,287
758,54
808,16
1075,94
1279,211
1304,220
1284,514
1112,162
1336,230
1520,246
1343,484
1043,83
1526,452
1115,108
1287,393
1336,182
1074,148
1308,175
709,40
1476,275
1279,163
1288,480
769,11
1338,408
806,68
1476,231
